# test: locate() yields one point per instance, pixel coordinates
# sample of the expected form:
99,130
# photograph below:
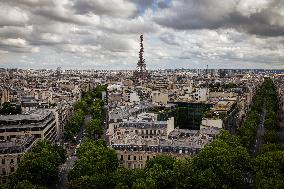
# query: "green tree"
96,111
184,175
220,165
124,177
94,129
270,136
160,170
27,185
270,147
40,166
96,163
81,105
268,169
74,124
166,162
8,108
2,185
147,183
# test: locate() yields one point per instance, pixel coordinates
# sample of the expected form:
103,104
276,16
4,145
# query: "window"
12,169
148,157
134,158
37,135
12,161
3,171
121,158
3,161
129,157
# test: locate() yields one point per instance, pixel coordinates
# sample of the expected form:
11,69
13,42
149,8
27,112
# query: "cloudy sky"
104,34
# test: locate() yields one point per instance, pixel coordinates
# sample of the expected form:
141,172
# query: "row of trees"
269,163
265,99
39,167
267,166
74,124
91,103
247,132
271,122
94,128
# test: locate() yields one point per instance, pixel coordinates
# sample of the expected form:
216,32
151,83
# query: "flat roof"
144,124
36,115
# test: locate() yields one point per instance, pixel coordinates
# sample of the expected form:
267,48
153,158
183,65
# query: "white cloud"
14,42
12,16
115,8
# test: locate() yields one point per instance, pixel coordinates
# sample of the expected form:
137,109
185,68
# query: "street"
260,130
65,168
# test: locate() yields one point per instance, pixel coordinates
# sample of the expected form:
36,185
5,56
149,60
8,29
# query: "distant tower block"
141,73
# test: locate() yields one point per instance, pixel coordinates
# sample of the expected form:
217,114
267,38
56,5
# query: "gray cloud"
31,3
262,17
105,33
130,26
144,4
170,39
163,5
118,8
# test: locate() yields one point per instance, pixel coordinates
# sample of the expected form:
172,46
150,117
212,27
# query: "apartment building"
144,137
12,151
40,123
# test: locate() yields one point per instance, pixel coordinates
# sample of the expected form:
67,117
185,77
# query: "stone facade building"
12,151
136,141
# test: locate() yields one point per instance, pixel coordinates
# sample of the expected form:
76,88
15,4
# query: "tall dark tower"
141,73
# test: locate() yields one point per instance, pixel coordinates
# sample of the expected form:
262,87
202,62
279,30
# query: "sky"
104,34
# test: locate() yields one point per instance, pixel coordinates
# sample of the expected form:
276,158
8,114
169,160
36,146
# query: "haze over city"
104,34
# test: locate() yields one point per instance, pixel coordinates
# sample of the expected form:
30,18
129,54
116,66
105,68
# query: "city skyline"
99,34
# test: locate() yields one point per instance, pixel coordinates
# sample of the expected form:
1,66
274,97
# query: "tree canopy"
8,108
39,167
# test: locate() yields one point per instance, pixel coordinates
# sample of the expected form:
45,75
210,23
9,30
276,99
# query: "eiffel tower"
141,73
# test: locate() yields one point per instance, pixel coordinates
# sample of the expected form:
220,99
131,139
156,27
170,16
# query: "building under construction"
141,74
